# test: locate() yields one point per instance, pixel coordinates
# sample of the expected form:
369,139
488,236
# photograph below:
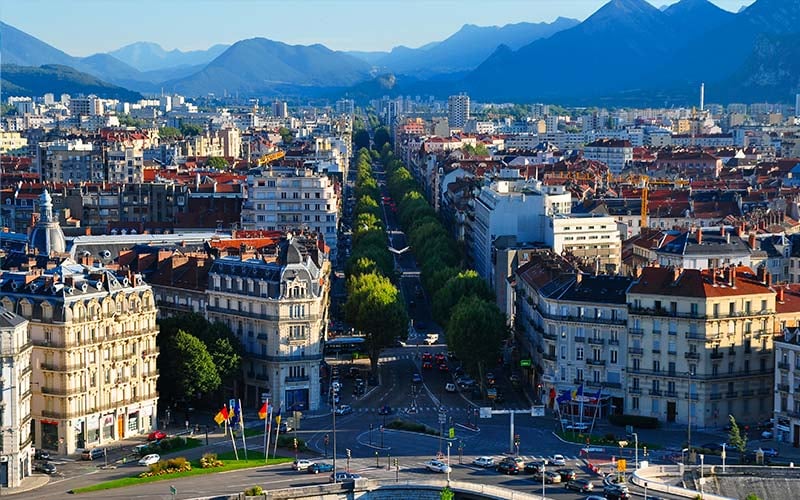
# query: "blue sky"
83,27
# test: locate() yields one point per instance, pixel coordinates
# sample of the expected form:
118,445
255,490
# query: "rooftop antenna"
702,96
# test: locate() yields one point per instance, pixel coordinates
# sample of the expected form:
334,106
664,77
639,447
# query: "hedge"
635,420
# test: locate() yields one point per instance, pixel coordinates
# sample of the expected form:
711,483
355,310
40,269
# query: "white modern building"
593,238
15,400
289,199
616,153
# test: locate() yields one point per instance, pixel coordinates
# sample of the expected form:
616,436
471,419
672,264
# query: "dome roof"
47,237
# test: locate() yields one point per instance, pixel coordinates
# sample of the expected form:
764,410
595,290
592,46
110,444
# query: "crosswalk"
431,409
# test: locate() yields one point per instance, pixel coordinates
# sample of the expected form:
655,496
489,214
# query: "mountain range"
628,52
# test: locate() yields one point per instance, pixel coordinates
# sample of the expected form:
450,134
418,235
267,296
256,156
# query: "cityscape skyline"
333,27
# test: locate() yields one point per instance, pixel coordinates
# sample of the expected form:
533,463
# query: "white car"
579,426
301,464
437,466
150,459
593,449
557,460
485,462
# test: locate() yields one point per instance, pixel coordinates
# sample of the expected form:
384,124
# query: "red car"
426,356
443,367
156,436
439,358
427,365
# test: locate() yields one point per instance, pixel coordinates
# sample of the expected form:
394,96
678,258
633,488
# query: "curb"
466,427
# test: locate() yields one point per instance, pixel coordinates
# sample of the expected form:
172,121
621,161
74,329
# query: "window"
635,403
579,353
654,408
613,356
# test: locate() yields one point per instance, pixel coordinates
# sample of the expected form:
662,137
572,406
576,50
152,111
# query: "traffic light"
516,439
327,439
396,464
348,452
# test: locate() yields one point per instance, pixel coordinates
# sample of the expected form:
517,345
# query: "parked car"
437,466
318,467
301,464
568,474
485,462
41,454
344,477
615,492
44,467
416,379
508,467
450,387
557,459
770,452
156,435
534,467
582,485
93,454
344,409
712,446
465,382
150,459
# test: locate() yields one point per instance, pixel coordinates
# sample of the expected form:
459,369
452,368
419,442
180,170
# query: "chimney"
728,237
722,230
676,273
779,296
738,231
88,231
752,241
578,278
761,274
768,279
714,276
699,235
726,275
733,276
637,271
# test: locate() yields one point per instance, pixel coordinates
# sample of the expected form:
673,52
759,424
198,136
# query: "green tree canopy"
189,371
374,307
287,136
191,129
381,137
367,204
735,438
217,163
478,150
169,133
361,139
464,284
475,332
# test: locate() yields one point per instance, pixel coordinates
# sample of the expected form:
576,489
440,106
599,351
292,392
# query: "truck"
432,338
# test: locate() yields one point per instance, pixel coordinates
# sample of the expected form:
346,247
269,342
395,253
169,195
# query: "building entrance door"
671,411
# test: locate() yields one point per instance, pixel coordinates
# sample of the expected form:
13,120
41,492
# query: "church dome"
47,236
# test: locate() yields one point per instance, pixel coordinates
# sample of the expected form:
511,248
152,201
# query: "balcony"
692,355
655,392
596,341
693,397
714,396
671,394
596,362
549,336
613,341
747,393
656,332
635,390
580,319
783,365
61,391
717,354
289,380
695,336
636,350
580,339
656,350
578,381
636,331
549,357
652,311
732,394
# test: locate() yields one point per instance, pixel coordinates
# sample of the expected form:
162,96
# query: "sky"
84,27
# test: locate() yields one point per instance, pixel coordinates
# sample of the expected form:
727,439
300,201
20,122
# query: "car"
534,467
336,385
568,474
437,466
427,365
443,367
318,467
426,356
284,427
490,378
582,485
432,338
507,466
344,477
45,467
41,454
344,409
156,435
551,477
616,492
769,452
557,459
578,426
766,435
592,449
302,464
439,358
712,446
465,382
150,459
416,379
385,410
450,387
92,454
595,497
484,462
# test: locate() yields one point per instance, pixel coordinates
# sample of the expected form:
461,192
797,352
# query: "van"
93,454
432,338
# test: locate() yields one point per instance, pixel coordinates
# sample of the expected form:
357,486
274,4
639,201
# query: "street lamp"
543,479
449,444
702,475
636,441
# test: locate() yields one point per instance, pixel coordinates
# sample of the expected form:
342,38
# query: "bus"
346,345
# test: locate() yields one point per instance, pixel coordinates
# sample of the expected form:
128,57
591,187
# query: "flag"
262,413
235,413
565,397
578,393
596,397
221,416
278,418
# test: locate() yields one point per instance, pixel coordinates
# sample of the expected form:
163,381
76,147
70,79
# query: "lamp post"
449,444
702,474
543,479
636,447
689,413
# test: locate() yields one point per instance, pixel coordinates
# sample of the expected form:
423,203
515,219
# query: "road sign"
264,397
524,363
452,432
442,418
173,490
537,411
486,412
622,465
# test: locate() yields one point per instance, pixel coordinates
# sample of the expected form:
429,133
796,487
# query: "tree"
735,438
188,371
361,139
475,331
478,150
287,136
752,496
465,284
127,120
216,162
374,307
169,133
191,129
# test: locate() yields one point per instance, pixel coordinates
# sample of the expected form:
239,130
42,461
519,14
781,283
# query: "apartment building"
94,355
275,300
616,153
700,345
70,160
287,199
458,110
13,143
16,453
593,239
787,387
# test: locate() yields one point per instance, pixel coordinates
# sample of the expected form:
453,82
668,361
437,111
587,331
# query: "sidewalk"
28,484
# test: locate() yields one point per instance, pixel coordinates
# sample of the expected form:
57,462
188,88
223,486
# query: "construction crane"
643,222
268,158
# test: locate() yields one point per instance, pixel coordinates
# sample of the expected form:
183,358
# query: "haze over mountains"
627,52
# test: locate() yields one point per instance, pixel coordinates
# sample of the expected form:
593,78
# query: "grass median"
229,460
607,440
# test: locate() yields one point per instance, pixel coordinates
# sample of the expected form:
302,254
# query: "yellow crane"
268,158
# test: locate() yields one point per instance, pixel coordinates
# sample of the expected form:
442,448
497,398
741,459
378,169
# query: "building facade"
15,400
94,353
458,110
287,199
594,239
616,153
787,387
276,302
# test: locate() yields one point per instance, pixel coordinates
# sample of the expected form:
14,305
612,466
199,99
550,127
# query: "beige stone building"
94,353
15,400
700,345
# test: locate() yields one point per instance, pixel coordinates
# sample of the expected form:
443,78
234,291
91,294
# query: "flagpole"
267,429
277,430
241,425
596,408
233,441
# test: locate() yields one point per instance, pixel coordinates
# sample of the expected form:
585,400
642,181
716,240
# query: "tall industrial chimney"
702,96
